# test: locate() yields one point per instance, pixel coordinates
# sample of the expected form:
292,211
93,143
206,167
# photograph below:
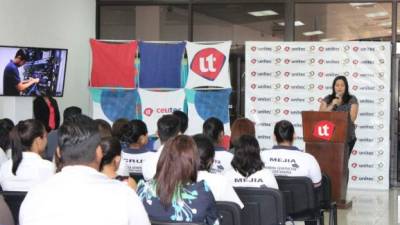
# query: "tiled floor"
369,208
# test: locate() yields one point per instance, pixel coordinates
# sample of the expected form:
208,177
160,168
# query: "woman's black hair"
212,128
131,132
247,159
6,126
284,131
111,148
22,137
206,151
346,96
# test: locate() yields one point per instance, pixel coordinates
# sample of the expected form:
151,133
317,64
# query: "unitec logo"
324,130
208,63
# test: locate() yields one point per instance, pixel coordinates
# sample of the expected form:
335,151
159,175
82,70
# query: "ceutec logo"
208,63
149,111
324,130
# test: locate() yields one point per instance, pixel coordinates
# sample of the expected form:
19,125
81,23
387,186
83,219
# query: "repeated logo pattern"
283,79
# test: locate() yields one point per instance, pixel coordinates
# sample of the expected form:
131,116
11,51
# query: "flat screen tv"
32,71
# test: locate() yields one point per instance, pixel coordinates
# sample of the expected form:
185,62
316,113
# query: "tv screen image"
32,71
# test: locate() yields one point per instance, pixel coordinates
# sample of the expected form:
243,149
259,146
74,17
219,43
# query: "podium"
326,137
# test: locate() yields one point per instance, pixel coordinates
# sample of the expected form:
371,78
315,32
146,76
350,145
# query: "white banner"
155,104
285,78
208,65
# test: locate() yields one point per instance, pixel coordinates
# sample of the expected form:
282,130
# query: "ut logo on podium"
324,130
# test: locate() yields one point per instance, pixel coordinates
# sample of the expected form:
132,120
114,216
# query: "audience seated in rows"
174,194
285,159
80,194
219,185
241,126
134,137
111,160
167,127
213,128
26,168
248,168
6,126
53,135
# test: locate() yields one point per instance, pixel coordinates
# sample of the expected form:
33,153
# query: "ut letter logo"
208,63
324,130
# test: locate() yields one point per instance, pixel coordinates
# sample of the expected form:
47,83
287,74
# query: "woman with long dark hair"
26,168
174,195
248,168
342,101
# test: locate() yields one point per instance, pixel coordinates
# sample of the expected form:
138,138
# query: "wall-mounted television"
32,71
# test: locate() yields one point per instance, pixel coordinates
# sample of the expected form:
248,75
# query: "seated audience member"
287,160
6,126
53,135
104,128
213,128
134,136
79,193
241,127
183,120
116,128
248,168
167,127
219,185
111,160
26,168
174,195
183,125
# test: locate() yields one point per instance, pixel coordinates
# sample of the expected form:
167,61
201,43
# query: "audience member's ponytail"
111,148
22,137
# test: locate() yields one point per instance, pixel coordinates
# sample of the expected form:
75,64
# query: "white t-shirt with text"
290,161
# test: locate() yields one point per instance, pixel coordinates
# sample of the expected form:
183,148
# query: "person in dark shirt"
12,83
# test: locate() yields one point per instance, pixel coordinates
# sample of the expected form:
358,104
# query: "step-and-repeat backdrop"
285,78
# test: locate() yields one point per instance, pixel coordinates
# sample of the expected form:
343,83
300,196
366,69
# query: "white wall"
50,23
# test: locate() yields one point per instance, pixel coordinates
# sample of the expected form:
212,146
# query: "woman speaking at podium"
342,101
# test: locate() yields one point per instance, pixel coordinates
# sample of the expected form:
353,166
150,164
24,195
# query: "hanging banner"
160,64
205,104
111,105
155,104
113,64
208,65
285,78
